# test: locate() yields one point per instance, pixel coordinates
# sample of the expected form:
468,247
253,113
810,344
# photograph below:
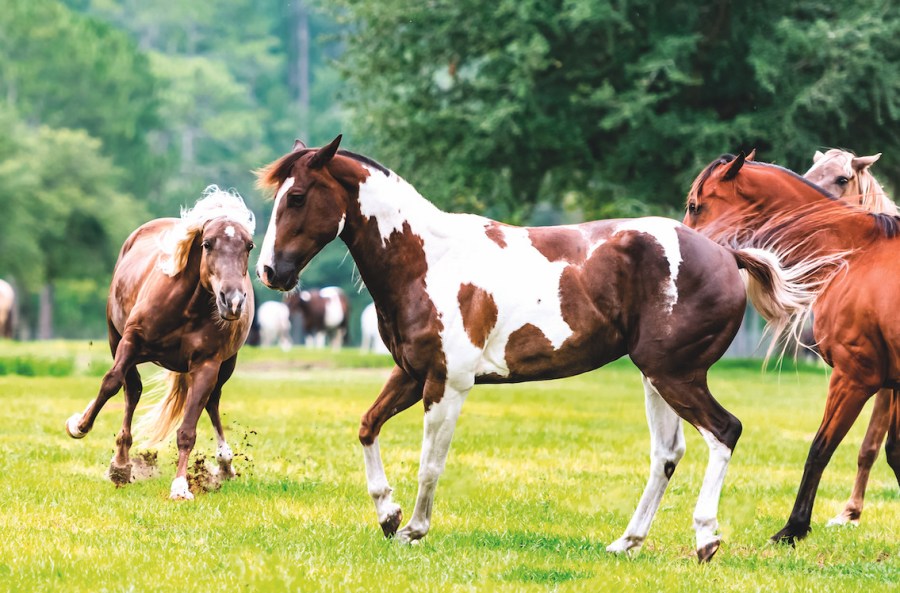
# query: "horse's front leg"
224,456
203,380
400,392
78,425
442,407
120,466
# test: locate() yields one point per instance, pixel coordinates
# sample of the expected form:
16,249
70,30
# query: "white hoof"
625,545
72,427
180,490
842,519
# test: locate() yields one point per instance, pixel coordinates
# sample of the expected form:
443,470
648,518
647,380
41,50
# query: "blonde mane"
175,244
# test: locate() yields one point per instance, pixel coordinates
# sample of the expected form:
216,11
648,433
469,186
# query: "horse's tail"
784,294
157,424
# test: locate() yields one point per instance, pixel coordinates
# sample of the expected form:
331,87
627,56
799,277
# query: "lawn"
541,477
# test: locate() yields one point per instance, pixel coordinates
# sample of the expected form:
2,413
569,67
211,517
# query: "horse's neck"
387,233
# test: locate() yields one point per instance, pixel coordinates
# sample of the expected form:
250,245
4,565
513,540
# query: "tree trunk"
299,71
45,313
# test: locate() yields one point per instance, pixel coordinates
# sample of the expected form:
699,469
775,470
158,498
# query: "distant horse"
738,201
7,310
371,339
180,297
274,320
462,299
848,177
325,312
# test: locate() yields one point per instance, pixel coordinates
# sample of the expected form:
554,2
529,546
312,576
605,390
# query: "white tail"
784,295
171,393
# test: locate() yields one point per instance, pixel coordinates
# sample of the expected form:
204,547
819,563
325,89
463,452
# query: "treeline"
114,111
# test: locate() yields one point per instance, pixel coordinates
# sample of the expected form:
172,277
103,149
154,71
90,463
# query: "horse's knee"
186,438
367,431
867,455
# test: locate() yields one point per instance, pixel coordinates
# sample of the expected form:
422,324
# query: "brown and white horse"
855,322
180,297
7,310
462,299
848,177
325,312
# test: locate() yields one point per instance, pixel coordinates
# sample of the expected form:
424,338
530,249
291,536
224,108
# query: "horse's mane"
270,176
872,195
886,225
175,244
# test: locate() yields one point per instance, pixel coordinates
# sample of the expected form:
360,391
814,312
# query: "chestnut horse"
855,322
848,177
180,297
462,299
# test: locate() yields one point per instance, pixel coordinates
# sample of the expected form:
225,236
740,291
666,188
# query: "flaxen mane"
175,245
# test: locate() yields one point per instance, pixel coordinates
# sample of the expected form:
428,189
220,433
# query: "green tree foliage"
498,106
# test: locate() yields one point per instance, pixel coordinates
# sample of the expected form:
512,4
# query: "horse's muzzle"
231,304
278,280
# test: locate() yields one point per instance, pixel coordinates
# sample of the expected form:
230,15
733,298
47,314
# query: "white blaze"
267,252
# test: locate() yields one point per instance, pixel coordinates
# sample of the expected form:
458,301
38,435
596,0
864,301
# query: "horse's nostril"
268,274
222,296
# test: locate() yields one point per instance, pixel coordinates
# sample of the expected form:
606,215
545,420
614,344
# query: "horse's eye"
296,199
693,208
206,245
842,180
250,246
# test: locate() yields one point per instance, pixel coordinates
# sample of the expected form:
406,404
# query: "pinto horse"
180,297
7,310
855,324
325,312
462,299
848,177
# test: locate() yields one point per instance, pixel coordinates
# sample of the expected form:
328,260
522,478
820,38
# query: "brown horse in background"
741,202
180,297
462,299
849,177
325,312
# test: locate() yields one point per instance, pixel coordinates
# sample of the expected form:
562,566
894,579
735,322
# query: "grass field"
541,477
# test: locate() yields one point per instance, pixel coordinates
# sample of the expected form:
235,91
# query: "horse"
325,312
742,202
465,300
7,310
371,339
180,297
274,320
847,176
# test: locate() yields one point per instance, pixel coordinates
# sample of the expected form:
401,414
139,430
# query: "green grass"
541,477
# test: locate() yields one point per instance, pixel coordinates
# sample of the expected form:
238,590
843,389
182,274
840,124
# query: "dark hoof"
392,523
790,535
120,475
706,553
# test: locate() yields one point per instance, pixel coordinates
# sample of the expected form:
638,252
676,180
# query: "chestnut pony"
462,299
180,297
738,201
848,177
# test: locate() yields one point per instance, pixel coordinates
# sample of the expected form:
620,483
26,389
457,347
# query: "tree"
498,106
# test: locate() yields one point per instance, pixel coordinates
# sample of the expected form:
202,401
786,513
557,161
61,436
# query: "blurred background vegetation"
532,111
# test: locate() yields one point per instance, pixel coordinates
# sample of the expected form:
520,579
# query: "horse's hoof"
625,546
390,525
707,551
180,490
843,519
790,535
409,536
120,475
72,427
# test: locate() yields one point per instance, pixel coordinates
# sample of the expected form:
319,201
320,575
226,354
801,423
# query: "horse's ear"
734,167
752,155
861,162
818,156
325,154
298,145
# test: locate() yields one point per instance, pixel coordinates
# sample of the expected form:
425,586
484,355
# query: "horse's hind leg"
868,452
892,447
689,396
666,450
224,455
78,425
120,466
400,392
